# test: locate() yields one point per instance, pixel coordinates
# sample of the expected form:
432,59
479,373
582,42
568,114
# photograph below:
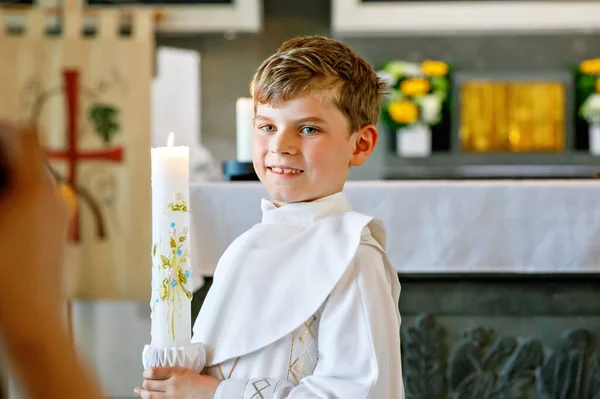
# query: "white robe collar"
303,214
277,274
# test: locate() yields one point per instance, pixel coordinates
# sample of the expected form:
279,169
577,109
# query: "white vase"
595,139
413,141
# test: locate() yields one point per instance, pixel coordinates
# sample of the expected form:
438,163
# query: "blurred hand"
33,234
34,220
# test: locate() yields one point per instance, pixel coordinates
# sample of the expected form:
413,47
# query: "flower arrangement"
416,93
588,90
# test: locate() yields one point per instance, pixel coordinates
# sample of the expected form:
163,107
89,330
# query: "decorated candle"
244,115
171,297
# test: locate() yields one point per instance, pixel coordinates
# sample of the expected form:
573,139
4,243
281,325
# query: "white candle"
171,298
244,115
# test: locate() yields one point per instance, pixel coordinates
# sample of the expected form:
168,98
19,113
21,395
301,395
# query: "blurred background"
489,142
511,97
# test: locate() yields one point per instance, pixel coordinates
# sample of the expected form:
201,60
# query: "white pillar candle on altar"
171,297
244,115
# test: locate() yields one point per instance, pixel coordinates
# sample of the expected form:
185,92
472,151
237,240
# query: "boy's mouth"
284,170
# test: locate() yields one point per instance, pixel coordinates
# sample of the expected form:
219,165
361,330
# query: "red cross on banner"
71,154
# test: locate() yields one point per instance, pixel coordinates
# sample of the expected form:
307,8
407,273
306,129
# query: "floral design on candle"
178,205
174,264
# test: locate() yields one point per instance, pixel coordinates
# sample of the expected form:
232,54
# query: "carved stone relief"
485,366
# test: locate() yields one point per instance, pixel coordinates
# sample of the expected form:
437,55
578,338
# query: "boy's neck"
279,204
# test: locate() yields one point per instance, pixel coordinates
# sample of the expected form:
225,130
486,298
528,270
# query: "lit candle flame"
170,140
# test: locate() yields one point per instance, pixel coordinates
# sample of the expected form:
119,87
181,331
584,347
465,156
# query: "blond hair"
319,65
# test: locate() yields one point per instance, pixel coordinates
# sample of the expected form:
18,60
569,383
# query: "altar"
438,227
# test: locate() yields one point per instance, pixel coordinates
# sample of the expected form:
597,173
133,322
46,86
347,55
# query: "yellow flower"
590,67
434,68
415,86
598,85
403,111
69,196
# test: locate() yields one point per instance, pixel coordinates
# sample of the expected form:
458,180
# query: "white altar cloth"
437,226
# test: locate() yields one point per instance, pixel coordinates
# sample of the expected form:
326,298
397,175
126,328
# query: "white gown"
305,305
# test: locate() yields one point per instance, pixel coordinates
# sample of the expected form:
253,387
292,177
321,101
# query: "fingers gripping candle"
171,297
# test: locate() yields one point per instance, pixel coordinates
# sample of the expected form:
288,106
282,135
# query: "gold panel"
498,116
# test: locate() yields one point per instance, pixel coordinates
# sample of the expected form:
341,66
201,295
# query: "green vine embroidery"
179,205
175,276
174,263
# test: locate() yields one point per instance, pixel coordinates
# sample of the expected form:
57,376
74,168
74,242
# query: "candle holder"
239,171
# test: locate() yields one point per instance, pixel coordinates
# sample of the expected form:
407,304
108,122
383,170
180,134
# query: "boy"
304,304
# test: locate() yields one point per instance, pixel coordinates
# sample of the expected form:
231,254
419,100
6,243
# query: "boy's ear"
365,142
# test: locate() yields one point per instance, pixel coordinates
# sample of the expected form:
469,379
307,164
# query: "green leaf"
587,84
182,278
440,84
103,117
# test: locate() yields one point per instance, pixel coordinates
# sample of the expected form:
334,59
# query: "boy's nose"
284,142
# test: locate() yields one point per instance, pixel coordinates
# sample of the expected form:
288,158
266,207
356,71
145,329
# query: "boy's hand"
176,383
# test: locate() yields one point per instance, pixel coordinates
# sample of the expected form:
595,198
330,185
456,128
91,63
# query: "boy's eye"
268,128
309,130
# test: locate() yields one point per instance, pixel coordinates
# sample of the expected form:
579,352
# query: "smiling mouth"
285,171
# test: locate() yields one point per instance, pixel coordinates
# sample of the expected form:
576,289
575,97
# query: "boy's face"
302,149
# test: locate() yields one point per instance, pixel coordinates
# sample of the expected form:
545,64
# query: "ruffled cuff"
191,357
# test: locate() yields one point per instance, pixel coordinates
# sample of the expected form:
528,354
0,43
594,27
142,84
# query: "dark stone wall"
497,336
501,337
